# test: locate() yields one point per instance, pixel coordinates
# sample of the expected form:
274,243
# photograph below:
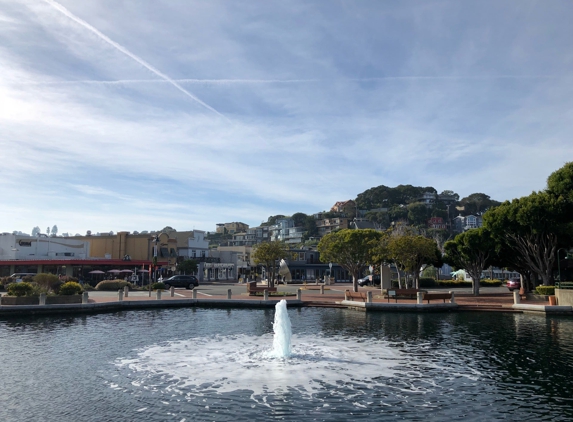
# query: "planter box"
23,300
63,299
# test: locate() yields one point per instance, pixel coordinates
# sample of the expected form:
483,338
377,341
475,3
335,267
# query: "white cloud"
322,102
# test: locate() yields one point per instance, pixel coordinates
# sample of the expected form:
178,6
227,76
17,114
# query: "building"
436,223
462,224
345,207
328,225
231,228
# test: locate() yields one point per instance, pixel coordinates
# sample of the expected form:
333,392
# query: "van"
19,276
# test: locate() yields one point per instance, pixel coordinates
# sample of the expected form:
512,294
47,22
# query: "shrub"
20,289
454,283
70,288
545,290
111,285
427,282
158,286
491,283
47,281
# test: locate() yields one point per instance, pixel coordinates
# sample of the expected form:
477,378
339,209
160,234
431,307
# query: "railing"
564,285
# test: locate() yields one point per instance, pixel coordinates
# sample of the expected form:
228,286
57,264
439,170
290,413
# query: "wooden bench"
433,296
253,289
410,293
348,295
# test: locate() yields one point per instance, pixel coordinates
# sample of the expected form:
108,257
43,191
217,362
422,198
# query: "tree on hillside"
269,254
472,251
413,253
451,194
351,249
54,231
36,231
272,220
477,203
418,214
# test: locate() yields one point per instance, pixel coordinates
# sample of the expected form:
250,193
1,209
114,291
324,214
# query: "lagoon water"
217,365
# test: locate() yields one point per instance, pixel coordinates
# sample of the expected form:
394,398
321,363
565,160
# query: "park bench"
253,289
348,295
433,296
409,293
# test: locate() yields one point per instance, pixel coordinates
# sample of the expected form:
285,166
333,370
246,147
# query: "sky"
137,114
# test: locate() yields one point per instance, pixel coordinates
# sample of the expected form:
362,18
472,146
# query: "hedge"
20,289
70,288
112,285
545,290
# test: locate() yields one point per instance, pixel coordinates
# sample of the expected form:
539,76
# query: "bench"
348,295
253,289
410,293
434,296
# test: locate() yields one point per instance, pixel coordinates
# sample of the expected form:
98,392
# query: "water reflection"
448,366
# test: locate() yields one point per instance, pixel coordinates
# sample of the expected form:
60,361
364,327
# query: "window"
164,252
194,254
301,256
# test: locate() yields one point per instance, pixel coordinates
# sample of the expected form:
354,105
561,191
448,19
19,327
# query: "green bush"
545,290
427,282
70,288
111,285
491,283
20,289
454,283
158,286
47,281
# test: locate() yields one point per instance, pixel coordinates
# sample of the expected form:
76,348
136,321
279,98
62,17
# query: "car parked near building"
513,284
187,281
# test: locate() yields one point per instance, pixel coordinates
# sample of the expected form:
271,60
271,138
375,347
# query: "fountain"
282,328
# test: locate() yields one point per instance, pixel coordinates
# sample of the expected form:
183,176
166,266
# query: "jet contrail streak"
125,51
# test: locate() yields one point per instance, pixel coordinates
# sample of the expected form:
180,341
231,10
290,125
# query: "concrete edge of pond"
396,307
553,309
23,310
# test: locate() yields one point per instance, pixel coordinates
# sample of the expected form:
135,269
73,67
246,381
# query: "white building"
23,247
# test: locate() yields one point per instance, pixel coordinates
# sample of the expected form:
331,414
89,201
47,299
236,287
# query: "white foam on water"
244,362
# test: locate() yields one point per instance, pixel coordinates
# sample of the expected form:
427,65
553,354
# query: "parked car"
513,284
369,279
187,281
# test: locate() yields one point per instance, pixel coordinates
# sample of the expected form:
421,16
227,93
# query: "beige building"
232,228
328,225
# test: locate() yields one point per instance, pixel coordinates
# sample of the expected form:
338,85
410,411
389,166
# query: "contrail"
125,51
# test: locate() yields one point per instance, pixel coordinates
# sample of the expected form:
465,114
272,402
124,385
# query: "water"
196,364
283,331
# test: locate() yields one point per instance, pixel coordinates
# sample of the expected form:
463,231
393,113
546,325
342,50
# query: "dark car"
513,284
369,279
187,281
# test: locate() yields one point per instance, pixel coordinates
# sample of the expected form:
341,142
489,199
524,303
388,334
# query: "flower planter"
23,300
63,299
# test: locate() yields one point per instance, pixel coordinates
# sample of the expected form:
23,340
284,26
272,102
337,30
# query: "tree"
188,266
267,254
533,227
450,194
55,230
36,231
477,203
472,251
413,253
48,230
560,182
351,249
418,214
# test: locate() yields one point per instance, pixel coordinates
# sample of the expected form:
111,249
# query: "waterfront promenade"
497,299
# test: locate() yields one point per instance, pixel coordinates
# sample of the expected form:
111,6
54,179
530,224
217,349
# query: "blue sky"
136,115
